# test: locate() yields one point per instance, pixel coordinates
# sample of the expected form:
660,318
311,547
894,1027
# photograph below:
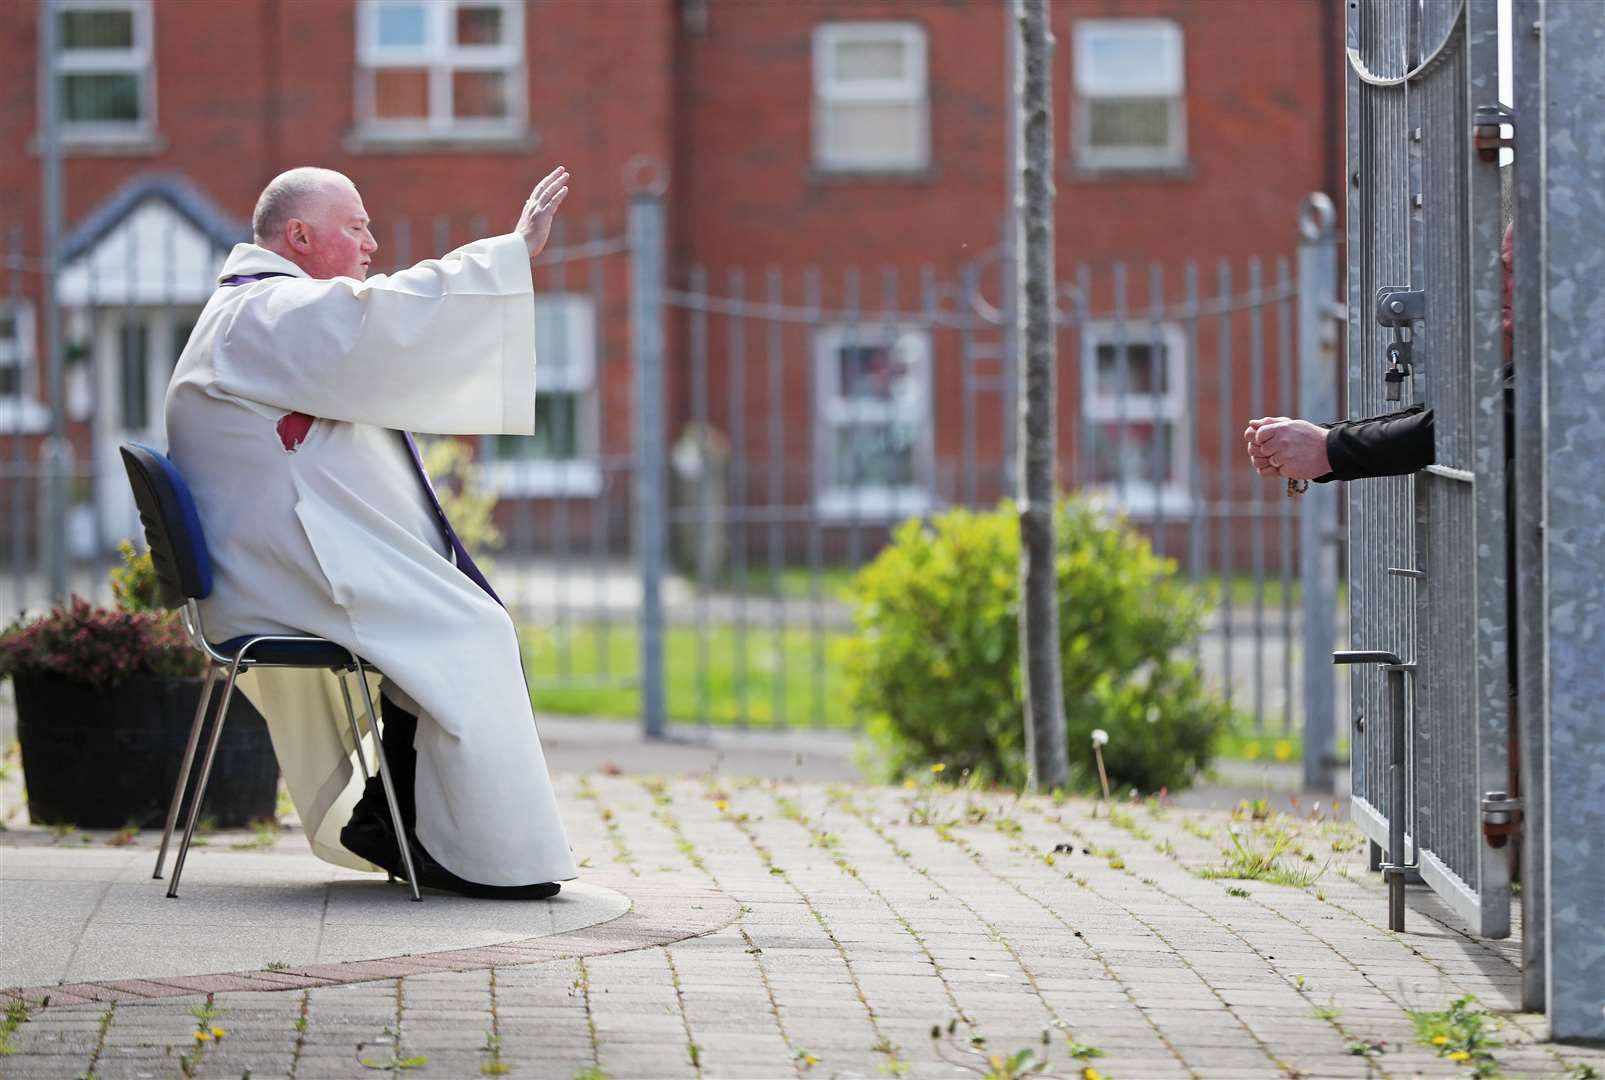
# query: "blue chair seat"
311,654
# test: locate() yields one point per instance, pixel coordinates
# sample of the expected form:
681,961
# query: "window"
561,457
104,67
1129,110
873,432
19,411
871,101
1133,402
440,68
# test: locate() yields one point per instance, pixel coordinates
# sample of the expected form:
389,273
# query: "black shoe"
369,836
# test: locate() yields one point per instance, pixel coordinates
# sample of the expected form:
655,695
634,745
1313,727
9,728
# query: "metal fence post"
1529,480
56,449
646,347
1317,338
1565,145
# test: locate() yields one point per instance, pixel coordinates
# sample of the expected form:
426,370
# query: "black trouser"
398,731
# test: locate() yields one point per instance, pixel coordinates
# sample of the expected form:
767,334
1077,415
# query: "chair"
184,574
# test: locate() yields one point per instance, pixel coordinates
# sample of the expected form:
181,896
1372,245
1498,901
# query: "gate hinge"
1501,818
1487,132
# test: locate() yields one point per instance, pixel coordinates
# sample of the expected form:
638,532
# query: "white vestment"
335,535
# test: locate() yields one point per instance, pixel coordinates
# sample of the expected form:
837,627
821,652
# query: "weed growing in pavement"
264,832
1122,820
804,1059
1366,1048
1260,859
16,1016
590,1072
58,833
1582,1071
396,1063
973,1056
277,965
1328,1011
1189,825
1461,1033
495,1066
125,835
1235,891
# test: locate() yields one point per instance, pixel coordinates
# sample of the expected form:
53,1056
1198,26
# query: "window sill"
542,479
132,144
873,505
826,176
1139,502
370,142
23,417
1178,172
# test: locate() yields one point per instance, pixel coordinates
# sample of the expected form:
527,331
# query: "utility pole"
1035,292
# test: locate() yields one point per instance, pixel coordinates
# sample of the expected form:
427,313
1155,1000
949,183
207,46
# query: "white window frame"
912,89
441,60
1097,408
139,59
22,412
581,476
1167,80
870,502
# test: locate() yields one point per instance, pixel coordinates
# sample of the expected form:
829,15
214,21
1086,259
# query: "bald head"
315,218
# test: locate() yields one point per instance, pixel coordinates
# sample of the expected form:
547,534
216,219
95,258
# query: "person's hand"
1280,446
535,223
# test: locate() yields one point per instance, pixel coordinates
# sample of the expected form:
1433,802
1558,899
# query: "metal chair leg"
188,766
402,840
356,732
206,773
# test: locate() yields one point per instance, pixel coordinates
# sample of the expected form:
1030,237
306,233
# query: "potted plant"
105,700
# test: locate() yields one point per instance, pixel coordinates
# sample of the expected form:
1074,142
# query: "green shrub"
470,508
934,667
133,584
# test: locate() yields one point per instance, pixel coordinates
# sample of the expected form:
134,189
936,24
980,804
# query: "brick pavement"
786,929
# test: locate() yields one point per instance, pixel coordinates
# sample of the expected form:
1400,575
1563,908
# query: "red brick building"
849,154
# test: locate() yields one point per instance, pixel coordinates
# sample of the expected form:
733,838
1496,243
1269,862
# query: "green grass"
768,665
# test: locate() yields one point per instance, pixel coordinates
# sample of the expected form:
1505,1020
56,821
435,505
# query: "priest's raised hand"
535,223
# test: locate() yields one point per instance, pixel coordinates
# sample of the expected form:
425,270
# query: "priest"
290,414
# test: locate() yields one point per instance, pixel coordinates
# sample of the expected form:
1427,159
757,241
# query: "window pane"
873,454
403,26
876,372
1133,458
1129,60
134,369
90,29
479,26
875,60
401,93
10,379
100,98
480,94
1140,122
888,133
556,437
1147,368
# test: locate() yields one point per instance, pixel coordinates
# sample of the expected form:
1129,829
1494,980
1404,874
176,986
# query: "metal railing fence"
789,419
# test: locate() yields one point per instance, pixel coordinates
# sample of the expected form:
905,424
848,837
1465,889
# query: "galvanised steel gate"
1427,553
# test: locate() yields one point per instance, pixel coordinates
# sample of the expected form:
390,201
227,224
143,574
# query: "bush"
133,584
97,646
934,667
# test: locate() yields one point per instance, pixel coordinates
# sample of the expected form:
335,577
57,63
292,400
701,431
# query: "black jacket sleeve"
1391,445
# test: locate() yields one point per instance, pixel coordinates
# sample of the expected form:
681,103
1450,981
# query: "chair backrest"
172,527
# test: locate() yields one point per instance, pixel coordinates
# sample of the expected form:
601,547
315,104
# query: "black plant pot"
105,759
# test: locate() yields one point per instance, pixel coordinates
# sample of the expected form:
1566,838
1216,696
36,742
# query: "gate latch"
1397,308
1501,818
1487,135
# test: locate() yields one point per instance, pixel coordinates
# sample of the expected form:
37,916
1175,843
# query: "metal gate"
1427,553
